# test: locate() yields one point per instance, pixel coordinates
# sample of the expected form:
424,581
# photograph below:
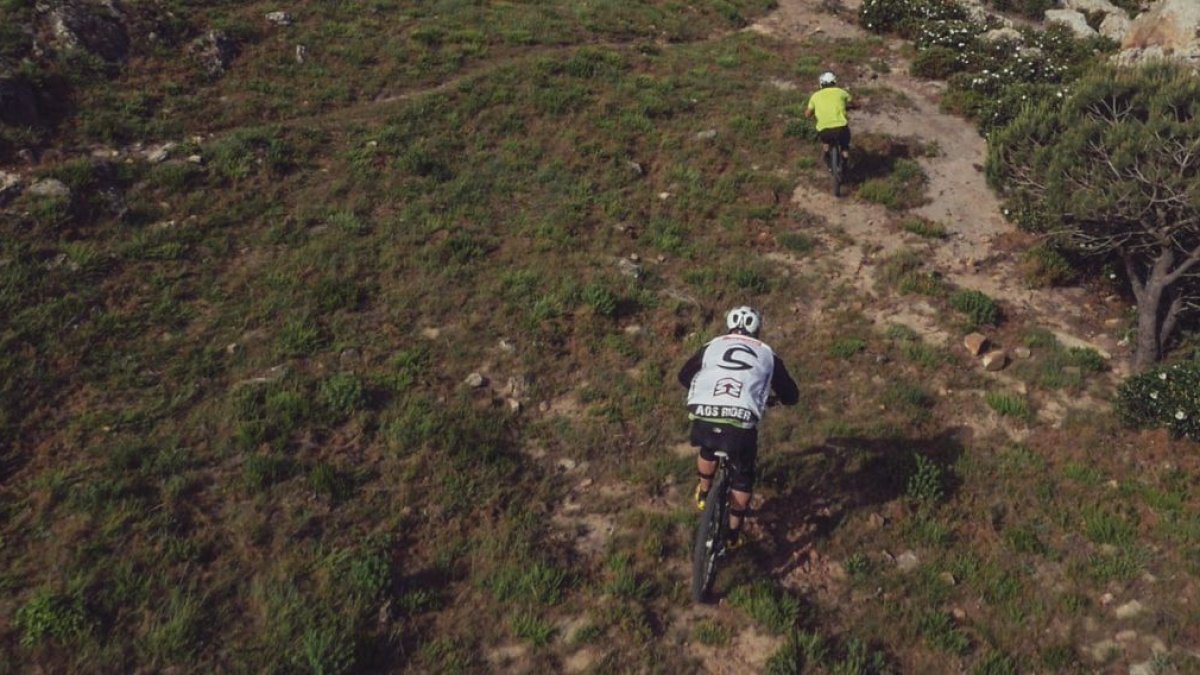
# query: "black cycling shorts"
839,136
740,444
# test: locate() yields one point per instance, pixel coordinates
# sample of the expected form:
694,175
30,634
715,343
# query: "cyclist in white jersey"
728,382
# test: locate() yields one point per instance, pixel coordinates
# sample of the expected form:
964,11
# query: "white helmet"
744,318
828,79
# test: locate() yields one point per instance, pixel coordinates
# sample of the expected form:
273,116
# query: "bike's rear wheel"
711,534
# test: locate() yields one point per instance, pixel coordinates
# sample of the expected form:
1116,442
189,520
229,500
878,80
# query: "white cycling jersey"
734,380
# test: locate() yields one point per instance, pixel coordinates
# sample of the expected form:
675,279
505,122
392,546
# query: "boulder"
975,343
214,51
1169,29
50,187
280,18
995,360
1003,35
1115,27
95,27
1073,20
10,186
1093,6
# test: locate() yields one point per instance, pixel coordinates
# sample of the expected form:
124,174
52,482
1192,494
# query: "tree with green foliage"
1113,170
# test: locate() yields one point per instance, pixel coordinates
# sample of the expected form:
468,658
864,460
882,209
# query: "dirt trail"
959,196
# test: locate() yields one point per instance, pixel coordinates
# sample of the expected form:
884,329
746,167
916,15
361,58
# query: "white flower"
1179,415
1162,376
1154,395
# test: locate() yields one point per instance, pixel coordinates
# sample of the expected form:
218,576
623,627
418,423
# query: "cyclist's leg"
844,142
742,482
706,461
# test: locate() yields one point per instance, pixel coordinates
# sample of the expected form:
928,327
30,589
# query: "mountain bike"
837,166
713,530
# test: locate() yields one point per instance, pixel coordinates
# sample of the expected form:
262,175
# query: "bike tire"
835,168
710,537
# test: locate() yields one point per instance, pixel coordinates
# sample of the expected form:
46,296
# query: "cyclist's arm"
690,369
783,385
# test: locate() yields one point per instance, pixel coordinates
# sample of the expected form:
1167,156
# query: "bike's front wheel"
710,538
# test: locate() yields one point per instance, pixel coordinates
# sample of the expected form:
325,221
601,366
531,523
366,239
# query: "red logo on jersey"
727,386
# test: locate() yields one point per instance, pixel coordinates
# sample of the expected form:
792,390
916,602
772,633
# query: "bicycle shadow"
875,156
823,484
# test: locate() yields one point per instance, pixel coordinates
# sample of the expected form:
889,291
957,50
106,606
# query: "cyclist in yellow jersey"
828,105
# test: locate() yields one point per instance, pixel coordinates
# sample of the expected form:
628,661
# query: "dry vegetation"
235,432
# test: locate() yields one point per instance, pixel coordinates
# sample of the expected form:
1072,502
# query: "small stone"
430,333
975,343
195,159
876,521
567,464
948,579
159,154
661,258
301,54
1022,352
907,561
584,484
544,406
231,348
706,135
635,168
1129,610
1143,668
50,187
633,329
629,268
995,360
1106,599
10,186
475,380
506,345
635,257
518,386
1128,635
514,405
958,614
280,18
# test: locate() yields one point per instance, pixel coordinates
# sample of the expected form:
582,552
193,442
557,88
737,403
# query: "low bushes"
1164,397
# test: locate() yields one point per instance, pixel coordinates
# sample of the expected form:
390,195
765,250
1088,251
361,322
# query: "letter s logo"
729,362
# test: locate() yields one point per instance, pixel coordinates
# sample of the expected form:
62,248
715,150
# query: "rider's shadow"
876,156
819,486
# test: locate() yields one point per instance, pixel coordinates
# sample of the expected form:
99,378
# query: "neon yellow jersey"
829,105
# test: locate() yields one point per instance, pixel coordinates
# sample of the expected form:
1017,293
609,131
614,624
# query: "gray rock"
907,561
975,343
1073,20
1022,352
995,360
95,27
1115,26
10,186
50,187
1169,30
706,135
475,380
1089,6
214,51
1129,610
280,18
1003,35
629,268
157,154
301,54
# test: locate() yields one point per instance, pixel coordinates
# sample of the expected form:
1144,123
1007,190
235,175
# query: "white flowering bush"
1164,397
906,17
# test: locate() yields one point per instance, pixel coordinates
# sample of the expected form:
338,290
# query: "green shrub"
924,228
751,280
1009,405
941,633
767,604
907,17
796,242
1168,396
937,63
602,300
1043,266
48,614
925,484
980,309
342,395
844,348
